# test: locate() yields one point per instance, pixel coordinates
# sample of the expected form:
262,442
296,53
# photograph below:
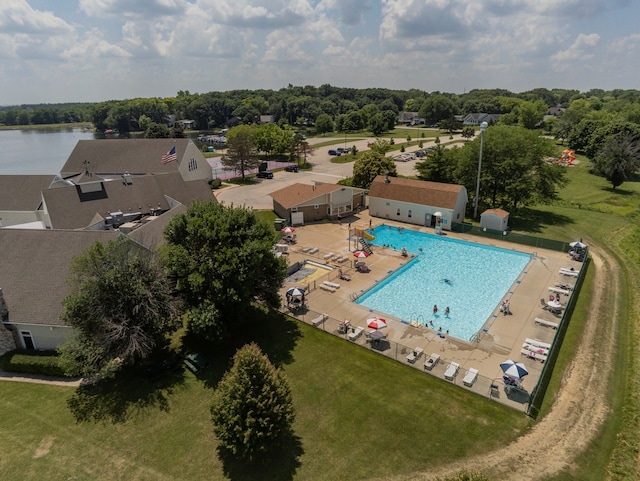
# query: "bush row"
31,362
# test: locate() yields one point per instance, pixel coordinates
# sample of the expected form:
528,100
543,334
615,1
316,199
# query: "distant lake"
38,151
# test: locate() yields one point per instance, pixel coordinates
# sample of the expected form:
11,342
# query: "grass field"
358,415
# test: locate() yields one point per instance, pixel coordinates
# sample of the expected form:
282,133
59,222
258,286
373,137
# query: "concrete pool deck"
501,338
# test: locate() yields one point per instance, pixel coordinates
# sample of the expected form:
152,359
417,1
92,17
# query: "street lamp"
483,127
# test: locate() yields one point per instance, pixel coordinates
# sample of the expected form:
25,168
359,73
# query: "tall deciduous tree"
514,172
439,165
369,165
324,124
242,153
221,259
120,306
252,407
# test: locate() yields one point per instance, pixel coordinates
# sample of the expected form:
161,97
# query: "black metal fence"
508,236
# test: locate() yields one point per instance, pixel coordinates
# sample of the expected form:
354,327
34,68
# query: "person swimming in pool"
435,308
446,311
447,281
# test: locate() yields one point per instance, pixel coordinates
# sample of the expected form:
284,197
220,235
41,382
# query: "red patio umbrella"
288,229
360,254
376,323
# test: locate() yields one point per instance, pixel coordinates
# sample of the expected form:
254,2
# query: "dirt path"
580,405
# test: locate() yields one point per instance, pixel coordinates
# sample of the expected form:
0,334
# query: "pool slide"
365,234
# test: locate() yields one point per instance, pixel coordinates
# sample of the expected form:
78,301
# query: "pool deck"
502,336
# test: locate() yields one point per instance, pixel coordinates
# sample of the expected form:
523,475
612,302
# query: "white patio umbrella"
437,214
578,245
295,292
288,230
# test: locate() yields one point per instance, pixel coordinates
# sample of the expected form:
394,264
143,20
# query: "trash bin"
278,224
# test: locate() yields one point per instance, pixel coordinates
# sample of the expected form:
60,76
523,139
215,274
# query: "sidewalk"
38,379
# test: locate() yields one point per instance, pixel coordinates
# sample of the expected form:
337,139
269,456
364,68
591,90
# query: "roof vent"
128,180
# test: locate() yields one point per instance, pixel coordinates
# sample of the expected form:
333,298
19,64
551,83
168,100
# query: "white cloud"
581,50
17,16
148,9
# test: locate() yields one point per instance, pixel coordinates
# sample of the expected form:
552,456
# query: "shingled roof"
416,191
22,192
76,206
34,266
297,194
117,156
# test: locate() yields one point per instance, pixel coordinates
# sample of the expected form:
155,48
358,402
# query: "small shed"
496,219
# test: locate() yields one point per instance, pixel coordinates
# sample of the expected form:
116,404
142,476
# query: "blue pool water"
480,278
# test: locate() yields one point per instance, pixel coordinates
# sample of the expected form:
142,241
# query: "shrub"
32,362
215,183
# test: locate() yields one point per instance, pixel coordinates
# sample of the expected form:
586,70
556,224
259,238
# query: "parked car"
265,174
291,168
334,152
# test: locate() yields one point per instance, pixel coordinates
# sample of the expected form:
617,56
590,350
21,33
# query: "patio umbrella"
514,369
360,254
295,292
578,245
376,323
376,335
437,214
288,230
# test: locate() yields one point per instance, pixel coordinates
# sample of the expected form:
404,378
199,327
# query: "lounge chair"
327,288
319,320
415,355
307,249
328,256
537,343
471,377
341,259
557,290
538,349
313,250
353,335
335,285
545,323
452,371
534,355
431,361
344,277
568,272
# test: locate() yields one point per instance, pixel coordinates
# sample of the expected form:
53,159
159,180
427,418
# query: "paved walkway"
37,379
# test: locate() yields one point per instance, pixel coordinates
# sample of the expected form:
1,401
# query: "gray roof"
34,267
22,192
117,156
151,233
79,206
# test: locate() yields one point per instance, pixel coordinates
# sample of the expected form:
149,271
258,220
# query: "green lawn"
359,415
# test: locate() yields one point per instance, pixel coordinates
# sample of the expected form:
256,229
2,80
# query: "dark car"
265,174
334,152
291,168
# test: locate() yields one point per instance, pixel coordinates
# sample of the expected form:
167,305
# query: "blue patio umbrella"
514,369
295,292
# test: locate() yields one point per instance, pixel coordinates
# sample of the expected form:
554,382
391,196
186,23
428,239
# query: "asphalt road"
257,195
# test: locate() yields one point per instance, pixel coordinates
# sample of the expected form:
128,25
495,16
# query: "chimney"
4,310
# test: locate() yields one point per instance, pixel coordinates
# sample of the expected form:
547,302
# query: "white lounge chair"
415,355
328,256
537,343
319,320
544,322
313,250
307,249
431,361
568,272
335,285
557,290
353,335
452,371
327,288
539,350
534,355
470,377
341,259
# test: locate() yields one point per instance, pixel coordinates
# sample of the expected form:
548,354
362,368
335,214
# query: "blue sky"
92,50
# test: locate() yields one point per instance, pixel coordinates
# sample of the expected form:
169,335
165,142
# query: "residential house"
303,202
34,267
408,117
267,119
478,118
417,201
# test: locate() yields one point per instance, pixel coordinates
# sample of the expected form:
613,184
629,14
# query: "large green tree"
120,306
436,108
369,165
514,172
242,154
252,408
222,260
324,124
618,159
439,165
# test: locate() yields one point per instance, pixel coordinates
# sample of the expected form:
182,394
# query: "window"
193,165
27,339
315,206
398,211
294,209
409,213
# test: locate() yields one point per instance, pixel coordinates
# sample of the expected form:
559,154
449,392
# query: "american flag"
170,156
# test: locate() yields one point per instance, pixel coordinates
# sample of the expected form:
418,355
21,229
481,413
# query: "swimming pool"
479,278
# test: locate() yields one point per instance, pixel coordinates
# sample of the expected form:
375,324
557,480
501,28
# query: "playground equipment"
567,157
365,234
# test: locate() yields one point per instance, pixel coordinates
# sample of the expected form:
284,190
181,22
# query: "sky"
55,51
